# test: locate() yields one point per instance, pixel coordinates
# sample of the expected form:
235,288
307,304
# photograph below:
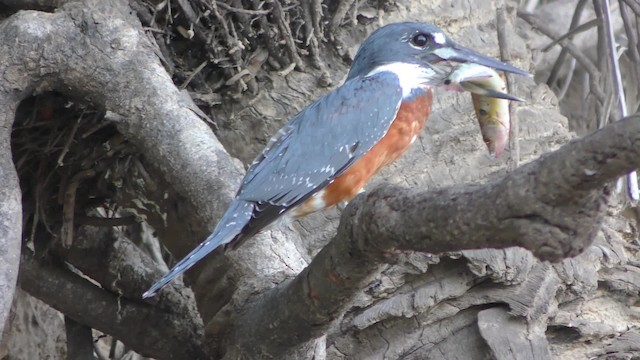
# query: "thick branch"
552,206
113,64
10,213
79,340
110,258
87,304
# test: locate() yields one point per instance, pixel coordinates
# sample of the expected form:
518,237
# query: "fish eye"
420,40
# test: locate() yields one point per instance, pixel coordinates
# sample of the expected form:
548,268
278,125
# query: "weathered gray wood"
510,337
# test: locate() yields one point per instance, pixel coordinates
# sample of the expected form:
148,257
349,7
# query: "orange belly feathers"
409,121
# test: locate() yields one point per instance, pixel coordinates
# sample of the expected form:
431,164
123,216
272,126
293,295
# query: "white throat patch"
411,76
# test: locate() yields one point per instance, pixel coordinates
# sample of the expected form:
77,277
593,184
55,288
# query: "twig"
613,58
316,14
69,204
269,41
505,54
567,81
193,73
338,15
632,35
241,11
603,109
67,143
634,6
618,87
188,11
232,42
553,76
285,32
577,30
583,60
99,125
238,77
110,222
287,70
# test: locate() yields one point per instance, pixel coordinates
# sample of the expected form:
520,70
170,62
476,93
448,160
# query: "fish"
490,101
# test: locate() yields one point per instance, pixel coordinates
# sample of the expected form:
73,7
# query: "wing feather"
322,141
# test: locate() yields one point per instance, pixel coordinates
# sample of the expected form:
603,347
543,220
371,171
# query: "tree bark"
10,213
275,297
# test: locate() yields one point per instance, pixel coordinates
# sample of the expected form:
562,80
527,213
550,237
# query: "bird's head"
421,50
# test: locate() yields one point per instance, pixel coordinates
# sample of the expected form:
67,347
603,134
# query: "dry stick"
241,11
638,30
582,59
577,30
563,53
193,74
313,38
68,207
338,15
269,41
241,21
188,11
67,144
618,88
505,55
108,222
251,82
567,81
635,7
633,39
285,31
231,42
316,14
603,109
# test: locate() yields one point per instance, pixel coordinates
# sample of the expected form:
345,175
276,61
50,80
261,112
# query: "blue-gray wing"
322,141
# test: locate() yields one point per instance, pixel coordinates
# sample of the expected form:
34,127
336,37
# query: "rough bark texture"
10,213
367,294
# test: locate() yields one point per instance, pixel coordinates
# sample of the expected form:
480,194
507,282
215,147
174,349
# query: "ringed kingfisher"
326,153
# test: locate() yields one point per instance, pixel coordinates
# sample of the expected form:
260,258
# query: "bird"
326,153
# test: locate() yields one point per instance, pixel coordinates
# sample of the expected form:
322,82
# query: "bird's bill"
479,80
457,53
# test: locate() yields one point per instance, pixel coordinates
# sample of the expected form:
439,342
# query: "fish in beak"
489,97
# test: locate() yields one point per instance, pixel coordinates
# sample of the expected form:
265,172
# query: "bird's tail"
229,227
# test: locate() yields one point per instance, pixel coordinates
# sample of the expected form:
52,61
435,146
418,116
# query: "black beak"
457,53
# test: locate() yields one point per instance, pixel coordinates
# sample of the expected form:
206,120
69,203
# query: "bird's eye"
420,40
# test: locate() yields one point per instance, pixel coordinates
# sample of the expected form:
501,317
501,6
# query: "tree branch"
79,340
126,78
552,206
582,59
147,329
10,212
